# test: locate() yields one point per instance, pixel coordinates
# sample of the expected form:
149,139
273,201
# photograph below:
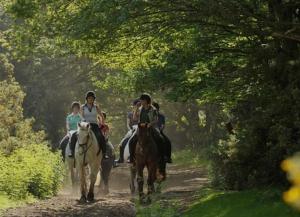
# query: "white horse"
87,153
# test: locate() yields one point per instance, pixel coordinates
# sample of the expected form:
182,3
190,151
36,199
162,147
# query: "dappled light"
150,108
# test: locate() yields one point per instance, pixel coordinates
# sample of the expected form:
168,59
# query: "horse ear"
79,125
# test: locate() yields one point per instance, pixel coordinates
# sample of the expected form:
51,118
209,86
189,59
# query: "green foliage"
189,158
15,130
27,165
254,203
235,58
31,170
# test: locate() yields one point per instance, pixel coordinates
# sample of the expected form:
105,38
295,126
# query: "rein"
85,148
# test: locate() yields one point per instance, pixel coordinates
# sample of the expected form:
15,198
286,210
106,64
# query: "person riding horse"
131,129
89,113
161,126
147,116
71,125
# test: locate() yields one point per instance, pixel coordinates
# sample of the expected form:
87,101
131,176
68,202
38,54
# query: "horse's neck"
143,140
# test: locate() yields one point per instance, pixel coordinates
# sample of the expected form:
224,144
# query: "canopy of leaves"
242,55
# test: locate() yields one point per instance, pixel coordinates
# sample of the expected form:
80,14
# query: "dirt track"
181,184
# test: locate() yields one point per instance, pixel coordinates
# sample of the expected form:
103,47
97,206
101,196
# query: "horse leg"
140,181
82,184
132,180
151,179
104,181
105,172
93,176
72,178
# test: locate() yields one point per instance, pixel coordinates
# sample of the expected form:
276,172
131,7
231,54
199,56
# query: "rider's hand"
143,125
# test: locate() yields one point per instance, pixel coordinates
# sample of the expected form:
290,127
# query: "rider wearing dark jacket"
147,116
161,126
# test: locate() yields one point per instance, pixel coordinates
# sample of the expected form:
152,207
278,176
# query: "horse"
87,153
161,176
106,166
146,155
70,161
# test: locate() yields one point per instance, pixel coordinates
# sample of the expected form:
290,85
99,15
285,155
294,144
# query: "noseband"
87,139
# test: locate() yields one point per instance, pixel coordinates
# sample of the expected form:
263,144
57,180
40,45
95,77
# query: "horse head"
144,130
83,133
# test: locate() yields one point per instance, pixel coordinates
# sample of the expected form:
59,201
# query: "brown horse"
146,155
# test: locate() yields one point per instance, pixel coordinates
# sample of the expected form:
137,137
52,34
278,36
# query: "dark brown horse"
146,155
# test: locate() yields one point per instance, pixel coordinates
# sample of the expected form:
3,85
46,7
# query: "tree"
241,56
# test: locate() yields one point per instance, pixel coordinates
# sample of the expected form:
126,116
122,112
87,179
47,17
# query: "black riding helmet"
156,105
90,94
146,96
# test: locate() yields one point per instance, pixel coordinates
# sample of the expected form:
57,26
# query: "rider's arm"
128,123
155,119
67,124
136,114
154,122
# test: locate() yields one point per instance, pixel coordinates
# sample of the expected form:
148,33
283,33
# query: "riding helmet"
156,105
75,104
146,96
135,102
90,94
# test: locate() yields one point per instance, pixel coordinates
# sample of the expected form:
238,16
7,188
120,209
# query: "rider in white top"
90,112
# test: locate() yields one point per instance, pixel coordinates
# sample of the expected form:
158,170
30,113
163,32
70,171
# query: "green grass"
190,158
6,202
158,209
252,203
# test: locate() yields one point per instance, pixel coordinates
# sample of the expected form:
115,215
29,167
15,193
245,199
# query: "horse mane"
145,136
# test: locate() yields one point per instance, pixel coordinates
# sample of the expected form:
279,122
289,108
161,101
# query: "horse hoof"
143,199
106,191
158,189
82,199
132,189
90,197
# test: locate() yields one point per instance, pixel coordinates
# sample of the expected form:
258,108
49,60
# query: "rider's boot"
121,158
105,156
72,144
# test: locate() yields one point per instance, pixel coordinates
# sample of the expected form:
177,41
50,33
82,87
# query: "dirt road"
181,184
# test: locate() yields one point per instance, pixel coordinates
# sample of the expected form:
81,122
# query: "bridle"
85,147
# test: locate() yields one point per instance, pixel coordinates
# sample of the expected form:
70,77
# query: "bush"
31,170
27,165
